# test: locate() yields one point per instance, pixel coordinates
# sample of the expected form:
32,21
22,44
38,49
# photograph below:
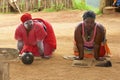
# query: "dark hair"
89,14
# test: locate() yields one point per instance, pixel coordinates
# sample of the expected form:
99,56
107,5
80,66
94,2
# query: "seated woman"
32,37
90,38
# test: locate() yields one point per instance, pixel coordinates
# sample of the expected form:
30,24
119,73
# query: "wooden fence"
4,7
27,5
55,3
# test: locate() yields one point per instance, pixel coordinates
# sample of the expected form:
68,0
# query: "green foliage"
39,3
81,5
96,10
77,4
59,7
49,10
55,8
35,10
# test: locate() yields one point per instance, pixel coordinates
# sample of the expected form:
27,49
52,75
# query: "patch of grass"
81,5
49,10
96,10
55,8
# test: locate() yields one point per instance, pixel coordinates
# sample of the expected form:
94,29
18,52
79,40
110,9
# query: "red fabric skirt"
33,49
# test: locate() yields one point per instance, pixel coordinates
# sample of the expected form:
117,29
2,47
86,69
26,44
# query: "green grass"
96,10
81,5
55,8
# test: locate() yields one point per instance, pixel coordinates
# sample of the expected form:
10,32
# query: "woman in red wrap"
50,40
31,37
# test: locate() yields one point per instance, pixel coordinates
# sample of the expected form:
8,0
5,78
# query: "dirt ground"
57,68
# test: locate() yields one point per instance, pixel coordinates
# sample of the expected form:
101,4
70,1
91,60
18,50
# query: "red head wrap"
26,17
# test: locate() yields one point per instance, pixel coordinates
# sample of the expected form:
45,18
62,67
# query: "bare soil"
57,68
